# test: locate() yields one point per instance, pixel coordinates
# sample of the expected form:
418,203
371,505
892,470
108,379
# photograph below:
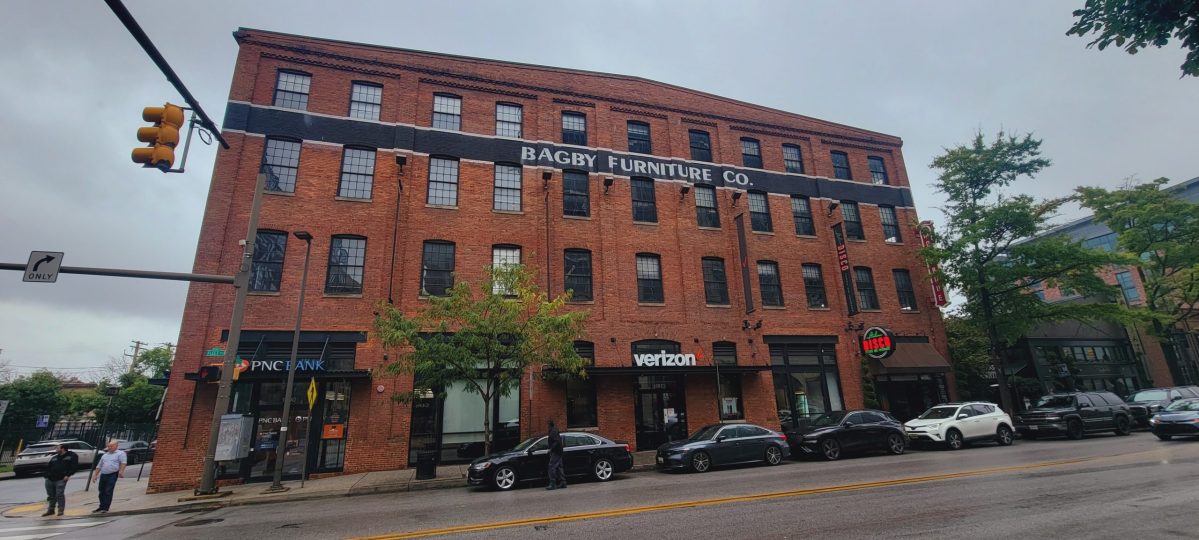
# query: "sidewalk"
130,497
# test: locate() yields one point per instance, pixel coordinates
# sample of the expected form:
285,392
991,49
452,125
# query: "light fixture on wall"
736,197
683,191
546,176
608,181
832,206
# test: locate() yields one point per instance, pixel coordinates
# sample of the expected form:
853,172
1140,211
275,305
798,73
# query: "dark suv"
1074,414
1145,403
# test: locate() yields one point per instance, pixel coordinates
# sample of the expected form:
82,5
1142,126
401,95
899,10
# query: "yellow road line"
716,501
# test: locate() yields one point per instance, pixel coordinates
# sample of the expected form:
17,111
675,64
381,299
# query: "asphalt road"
1100,487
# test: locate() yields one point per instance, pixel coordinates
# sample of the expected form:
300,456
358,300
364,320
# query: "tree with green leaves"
155,362
483,337
1136,24
30,396
970,350
983,251
1161,230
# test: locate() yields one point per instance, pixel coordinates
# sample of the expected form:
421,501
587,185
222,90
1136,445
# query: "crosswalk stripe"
61,526
30,536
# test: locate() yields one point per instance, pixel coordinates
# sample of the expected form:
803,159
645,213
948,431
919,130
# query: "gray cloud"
932,73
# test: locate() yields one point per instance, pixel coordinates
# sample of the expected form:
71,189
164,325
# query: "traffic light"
209,373
162,138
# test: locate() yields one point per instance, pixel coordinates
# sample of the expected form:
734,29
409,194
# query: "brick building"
1100,355
685,223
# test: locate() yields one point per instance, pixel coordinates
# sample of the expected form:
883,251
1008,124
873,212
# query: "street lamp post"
281,445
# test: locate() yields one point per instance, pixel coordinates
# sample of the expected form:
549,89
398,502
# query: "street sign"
43,420
311,394
42,267
112,390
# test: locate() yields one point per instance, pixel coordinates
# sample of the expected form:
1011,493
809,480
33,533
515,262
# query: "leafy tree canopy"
1160,233
1136,24
155,362
30,396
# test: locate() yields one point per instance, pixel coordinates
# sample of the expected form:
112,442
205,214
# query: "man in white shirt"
111,467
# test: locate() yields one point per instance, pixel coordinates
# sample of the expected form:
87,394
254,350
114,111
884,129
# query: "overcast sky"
74,83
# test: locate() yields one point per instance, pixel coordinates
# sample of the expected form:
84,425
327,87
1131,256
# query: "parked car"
1075,414
135,451
833,434
33,459
1179,419
584,454
715,445
955,424
1145,403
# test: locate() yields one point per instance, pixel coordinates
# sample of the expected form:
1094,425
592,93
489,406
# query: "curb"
424,485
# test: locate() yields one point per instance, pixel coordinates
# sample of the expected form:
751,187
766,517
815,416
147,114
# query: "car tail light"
781,436
628,448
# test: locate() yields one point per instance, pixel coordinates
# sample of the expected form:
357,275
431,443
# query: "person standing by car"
58,470
557,475
112,466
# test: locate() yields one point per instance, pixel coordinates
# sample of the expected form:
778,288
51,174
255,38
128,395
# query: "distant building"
1106,356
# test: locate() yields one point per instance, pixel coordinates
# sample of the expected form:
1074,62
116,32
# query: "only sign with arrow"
43,267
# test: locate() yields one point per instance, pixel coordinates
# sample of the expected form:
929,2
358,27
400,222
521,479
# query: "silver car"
33,459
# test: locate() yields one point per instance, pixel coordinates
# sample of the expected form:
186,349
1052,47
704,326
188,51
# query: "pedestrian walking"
557,475
58,470
112,467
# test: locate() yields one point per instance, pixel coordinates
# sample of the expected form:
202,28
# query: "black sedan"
584,454
832,435
1179,419
724,444
136,451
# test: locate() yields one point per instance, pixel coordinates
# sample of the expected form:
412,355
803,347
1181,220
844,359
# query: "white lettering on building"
663,359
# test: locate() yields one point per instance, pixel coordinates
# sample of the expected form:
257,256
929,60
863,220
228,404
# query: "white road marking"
61,526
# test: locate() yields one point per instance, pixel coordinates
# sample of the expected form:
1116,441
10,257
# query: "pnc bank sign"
608,162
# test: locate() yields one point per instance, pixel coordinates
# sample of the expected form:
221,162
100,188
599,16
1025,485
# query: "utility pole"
241,284
137,351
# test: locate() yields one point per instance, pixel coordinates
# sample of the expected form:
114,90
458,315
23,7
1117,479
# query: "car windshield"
1056,401
828,419
1184,405
938,413
705,433
527,443
1149,395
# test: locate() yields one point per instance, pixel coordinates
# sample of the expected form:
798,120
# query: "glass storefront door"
661,411
266,447
806,382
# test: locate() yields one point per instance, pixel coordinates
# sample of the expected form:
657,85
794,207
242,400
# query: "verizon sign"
663,359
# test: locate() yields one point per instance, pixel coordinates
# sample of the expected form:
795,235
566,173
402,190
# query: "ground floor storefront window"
449,421
806,380
319,447
907,396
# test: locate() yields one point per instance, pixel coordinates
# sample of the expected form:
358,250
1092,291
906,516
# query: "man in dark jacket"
557,476
58,470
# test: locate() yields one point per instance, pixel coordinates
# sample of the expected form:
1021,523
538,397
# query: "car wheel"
953,439
701,462
774,456
603,470
830,449
1003,435
504,478
1163,436
1074,429
895,444
1123,426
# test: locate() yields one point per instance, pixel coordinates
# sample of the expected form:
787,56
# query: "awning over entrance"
279,376
911,358
688,370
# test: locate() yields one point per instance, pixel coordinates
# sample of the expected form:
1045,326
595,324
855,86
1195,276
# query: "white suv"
953,424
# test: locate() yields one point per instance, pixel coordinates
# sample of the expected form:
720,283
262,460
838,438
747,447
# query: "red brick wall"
378,430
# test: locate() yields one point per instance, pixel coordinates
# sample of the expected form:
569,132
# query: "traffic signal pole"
142,39
241,283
